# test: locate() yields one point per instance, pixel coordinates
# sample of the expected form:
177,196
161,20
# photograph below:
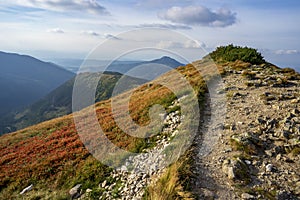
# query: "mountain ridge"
58,102
25,79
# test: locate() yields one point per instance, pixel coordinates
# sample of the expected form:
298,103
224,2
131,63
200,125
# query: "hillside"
254,151
43,154
24,80
59,102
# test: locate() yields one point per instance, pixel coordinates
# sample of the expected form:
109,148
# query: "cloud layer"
199,15
286,52
189,44
91,6
55,30
166,26
104,36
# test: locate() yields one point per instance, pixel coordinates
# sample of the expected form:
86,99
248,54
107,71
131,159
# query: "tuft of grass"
248,74
169,186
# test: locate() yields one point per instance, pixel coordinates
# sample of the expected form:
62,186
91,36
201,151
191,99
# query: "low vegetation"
231,53
52,157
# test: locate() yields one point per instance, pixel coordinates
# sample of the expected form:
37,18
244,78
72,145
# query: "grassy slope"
51,156
59,102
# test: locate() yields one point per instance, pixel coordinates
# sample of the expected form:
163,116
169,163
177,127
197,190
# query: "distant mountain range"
24,80
116,66
48,88
59,101
151,69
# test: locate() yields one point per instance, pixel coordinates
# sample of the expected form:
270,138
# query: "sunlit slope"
51,155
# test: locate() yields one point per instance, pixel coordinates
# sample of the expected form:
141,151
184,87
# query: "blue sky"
50,29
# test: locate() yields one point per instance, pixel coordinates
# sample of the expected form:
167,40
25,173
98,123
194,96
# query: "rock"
286,134
207,194
247,196
278,157
248,162
295,112
230,173
294,101
284,195
269,153
27,189
237,94
261,120
103,184
235,169
88,190
75,192
269,167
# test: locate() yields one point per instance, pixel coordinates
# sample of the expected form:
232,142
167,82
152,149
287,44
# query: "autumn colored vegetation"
52,157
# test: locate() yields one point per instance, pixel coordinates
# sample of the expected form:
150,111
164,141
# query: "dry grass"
169,186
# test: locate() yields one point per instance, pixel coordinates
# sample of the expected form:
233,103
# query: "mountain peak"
166,60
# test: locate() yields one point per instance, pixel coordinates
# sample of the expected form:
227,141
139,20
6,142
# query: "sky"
51,29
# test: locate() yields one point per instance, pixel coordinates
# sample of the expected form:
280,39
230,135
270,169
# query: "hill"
254,156
51,152
24,80
59,102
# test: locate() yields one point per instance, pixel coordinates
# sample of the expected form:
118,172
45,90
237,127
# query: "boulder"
75,192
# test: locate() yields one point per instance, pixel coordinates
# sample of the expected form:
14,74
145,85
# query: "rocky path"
257,155
209,182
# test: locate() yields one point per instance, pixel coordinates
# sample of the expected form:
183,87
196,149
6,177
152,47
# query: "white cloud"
199,15
104,36
55,30
286,52
110,36
189,44
194,44
91,33
91,6
166,26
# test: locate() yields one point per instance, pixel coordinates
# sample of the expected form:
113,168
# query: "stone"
208,194
286,134
235,169
269,167
231,173
269,153
248,162
294,101
278,157
261,120
247,196
88,190
103,184
27,189
295,112
75,191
